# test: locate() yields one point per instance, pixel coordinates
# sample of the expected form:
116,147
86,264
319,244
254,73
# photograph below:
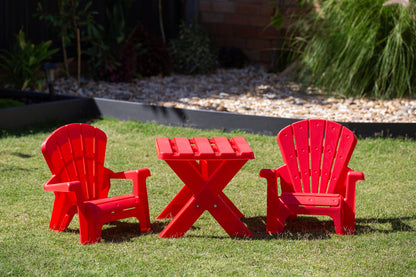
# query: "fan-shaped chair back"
77,152
316,153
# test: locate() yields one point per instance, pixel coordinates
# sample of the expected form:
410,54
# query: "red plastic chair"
75,155
315,179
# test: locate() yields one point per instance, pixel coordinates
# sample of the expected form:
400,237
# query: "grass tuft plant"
360,48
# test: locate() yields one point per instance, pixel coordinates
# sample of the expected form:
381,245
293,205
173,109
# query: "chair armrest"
271,176
130,174
50,185
352,178
268,174
138,177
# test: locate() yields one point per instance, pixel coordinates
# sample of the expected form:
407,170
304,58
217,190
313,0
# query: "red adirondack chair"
315,179
75,155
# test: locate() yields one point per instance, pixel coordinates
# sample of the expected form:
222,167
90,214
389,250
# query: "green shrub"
112,52
21,66
192,52
119,53
156,59
360,47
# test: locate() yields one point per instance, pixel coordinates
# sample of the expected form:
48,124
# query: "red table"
205,166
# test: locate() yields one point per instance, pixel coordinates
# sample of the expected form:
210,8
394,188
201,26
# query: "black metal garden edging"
60,108
67,109
203,119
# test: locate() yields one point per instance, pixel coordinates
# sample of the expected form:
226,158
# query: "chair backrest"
316,153
76,152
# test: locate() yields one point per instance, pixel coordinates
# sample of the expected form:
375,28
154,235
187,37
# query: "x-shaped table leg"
179,201
203,191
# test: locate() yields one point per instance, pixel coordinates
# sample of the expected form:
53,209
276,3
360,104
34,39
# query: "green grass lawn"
384,243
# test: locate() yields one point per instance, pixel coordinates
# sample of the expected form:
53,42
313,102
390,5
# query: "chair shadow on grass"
11,167
310,228
302,228
124,231
120,231
388,225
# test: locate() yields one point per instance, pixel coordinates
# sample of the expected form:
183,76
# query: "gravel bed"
250,90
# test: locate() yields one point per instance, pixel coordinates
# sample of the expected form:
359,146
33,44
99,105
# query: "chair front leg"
348,206
89,224
273,202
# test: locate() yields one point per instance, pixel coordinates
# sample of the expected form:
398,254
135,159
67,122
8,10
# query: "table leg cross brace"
203,191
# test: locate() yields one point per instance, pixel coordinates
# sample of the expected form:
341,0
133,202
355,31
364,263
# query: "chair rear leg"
68,218
63,211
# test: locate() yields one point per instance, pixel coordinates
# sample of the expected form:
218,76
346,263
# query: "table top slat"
183,147
163,148
203,148
242,146
224,148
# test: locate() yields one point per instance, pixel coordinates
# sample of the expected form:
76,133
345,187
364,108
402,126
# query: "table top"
203,148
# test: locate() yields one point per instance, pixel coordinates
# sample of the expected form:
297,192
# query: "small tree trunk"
78,41
79,55
65,56
162,30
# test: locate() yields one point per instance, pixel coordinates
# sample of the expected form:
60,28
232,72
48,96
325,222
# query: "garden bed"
65,109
